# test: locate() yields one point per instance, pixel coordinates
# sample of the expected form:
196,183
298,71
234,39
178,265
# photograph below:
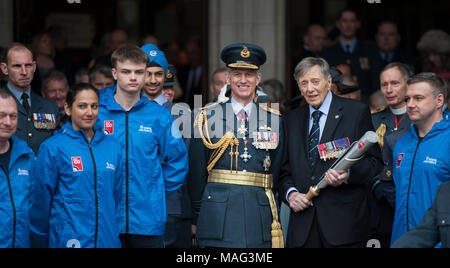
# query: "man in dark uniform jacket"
434,227
339,216
386,52
232,174
393,86
38,117
351,51
391,123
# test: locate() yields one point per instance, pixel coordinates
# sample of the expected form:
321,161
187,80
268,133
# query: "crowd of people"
114,155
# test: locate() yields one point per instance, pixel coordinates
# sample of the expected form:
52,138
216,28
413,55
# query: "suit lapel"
334,117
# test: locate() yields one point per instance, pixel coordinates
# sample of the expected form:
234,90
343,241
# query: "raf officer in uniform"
235,158
38,117
391,123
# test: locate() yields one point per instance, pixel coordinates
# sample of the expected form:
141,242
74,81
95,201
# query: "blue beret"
243,56
156,56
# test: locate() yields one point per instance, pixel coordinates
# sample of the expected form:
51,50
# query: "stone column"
6,22
261,22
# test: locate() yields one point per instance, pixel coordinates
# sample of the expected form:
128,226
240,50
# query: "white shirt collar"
237,107
398,111
325,107
161,99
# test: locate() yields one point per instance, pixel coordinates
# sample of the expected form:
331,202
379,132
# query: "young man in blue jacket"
421,162
16,161
145,131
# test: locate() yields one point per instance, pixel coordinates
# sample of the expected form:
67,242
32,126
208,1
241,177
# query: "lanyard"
397,121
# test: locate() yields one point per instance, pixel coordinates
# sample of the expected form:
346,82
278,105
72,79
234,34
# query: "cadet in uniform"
235,158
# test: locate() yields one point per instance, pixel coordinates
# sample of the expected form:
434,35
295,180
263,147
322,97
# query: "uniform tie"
243,126
25,103
314,137
242,115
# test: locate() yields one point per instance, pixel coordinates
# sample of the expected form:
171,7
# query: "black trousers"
317,240
178,232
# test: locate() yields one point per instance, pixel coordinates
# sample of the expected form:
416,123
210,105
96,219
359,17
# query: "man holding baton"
315,136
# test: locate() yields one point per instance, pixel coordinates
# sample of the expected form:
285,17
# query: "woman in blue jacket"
77,183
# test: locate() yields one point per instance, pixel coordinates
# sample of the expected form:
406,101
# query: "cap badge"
169,74
245,53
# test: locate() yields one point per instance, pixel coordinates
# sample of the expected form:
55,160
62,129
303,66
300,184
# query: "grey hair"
438,85
308,63
405,72
54,76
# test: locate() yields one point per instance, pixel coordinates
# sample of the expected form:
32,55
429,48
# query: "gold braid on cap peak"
220,147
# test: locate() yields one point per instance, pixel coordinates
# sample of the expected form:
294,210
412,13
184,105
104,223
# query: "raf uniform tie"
25,103
243,127
314,137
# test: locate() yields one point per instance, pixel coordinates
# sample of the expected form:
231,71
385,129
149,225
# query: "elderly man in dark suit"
339,215
38,117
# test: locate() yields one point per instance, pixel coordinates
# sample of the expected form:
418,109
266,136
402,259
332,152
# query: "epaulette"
203,110
378,110
211,105
268,109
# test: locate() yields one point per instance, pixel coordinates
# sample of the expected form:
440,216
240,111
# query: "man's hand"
336,178
298,202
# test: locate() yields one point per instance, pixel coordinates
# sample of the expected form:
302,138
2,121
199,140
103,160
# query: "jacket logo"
145,129
430,161
109,127
400,159
77,165
23,172
110,166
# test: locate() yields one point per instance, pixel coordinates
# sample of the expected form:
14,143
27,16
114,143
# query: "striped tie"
314,138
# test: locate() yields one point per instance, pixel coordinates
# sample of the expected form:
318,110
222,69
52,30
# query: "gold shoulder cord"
220,147
381,131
